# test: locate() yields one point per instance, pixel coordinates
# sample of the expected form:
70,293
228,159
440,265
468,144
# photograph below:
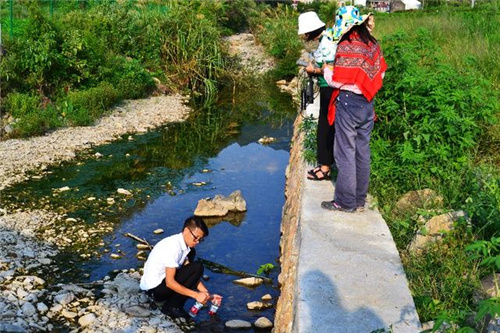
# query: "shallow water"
217,145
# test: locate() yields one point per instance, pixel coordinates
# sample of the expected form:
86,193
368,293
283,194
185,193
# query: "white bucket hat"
308,22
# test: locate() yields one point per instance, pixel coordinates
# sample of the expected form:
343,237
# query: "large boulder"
487,289
414,200
125,284
220,205
434,230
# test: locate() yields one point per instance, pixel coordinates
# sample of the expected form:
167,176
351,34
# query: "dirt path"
18,157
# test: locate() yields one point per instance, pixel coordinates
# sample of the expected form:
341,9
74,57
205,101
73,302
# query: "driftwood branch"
139,239
218,268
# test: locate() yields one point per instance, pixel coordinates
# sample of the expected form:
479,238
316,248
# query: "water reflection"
218,146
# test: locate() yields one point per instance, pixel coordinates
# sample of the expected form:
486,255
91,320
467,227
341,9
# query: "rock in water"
256,305
263,323
220,205
123,191
249,282
238,324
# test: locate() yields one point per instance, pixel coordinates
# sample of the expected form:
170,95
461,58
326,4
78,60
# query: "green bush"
277,30
19,105
430,114
31,117
81,108
128,77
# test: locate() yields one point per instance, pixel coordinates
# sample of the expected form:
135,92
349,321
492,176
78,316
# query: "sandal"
313,174
313,171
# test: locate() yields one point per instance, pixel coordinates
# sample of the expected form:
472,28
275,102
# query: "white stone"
158,231
123,191
87,319
98,155
256,305
266,297
64,298
28,309
56,308
68,314
63,189
42,308
71,220
21,293
249,282
238,324
263,323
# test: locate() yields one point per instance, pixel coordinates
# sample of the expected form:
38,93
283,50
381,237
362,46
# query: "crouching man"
170,274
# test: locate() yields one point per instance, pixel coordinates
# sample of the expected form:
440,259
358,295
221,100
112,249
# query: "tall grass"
438,128
84,45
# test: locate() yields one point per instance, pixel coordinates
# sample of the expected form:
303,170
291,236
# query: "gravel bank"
18,157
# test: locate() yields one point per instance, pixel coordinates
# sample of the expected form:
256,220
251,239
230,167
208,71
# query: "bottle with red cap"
195,308
216,302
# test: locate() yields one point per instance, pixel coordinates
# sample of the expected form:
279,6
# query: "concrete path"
350,277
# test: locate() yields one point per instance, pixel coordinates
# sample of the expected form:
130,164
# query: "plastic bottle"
216,302
195,308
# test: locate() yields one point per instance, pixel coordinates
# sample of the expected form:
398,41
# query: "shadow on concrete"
324,310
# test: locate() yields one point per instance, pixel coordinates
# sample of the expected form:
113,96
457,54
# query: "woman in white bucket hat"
313,28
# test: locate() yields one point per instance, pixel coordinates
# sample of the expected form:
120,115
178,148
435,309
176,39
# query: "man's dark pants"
188,275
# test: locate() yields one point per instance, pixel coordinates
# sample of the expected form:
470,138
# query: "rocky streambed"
18,157
36,239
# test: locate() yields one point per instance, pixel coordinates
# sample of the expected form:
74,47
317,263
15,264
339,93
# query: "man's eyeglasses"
196,238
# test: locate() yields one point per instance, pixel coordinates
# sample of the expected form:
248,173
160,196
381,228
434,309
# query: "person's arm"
328,74
311,70
201,287
201,296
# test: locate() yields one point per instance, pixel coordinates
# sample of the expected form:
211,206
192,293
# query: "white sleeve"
328,75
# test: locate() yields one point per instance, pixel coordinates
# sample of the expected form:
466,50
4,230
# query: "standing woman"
314,29
356,78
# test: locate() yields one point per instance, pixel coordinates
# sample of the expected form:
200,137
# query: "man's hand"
202,297
310,69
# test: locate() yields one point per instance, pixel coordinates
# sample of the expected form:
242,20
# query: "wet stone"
238,324
263,323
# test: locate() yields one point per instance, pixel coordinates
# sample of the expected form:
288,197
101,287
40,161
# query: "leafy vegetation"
438,128
438,114
115,49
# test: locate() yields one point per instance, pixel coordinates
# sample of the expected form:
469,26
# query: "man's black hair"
363,32
194,222
313,34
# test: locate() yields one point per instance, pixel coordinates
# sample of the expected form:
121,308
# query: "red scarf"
359,64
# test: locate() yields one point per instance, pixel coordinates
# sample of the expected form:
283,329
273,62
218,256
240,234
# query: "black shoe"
332,205
173,312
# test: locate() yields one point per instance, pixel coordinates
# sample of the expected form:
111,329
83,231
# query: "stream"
216,151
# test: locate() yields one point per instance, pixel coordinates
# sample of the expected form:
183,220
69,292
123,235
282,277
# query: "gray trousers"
353,125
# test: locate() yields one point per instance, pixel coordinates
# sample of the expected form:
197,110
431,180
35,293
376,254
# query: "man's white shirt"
170,252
